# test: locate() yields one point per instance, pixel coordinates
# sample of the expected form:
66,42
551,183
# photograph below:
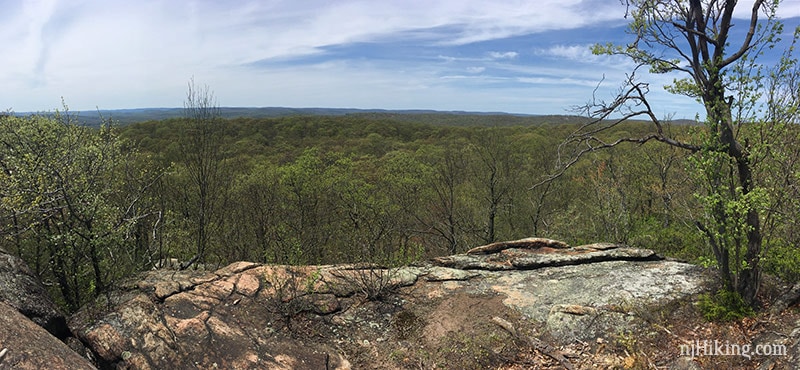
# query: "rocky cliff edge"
530,303
497,305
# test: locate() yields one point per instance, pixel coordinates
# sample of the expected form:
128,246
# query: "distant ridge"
128,116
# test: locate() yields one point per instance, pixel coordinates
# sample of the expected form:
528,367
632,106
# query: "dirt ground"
418,328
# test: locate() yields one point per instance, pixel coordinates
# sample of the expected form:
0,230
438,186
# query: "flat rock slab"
577,293
536,253
589,300
527,243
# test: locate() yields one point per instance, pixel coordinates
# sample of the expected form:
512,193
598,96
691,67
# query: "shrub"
724,306
288,288
784,262
373,282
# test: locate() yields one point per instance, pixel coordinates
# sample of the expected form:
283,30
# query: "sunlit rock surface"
249,316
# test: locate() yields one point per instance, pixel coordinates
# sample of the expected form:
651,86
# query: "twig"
536,343
670,332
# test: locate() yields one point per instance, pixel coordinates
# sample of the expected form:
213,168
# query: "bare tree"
496,159
692,38
201,148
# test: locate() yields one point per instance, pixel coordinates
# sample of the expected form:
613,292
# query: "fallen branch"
540,346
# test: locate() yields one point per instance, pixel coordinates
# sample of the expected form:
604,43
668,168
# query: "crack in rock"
535,253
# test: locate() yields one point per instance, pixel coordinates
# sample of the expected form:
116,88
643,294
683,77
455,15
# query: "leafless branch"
747,43
631,103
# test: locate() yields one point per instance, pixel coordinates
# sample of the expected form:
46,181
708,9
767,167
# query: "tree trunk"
748,279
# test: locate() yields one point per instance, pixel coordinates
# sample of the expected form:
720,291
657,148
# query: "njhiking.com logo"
715,347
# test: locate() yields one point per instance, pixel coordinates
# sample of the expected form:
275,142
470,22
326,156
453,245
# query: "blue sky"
501,55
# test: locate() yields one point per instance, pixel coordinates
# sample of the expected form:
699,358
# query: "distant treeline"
129,116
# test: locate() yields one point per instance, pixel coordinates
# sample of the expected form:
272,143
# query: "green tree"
404,179
72,199
308,213
693,39
780,166
257,201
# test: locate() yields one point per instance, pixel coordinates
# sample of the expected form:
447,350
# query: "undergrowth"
724,306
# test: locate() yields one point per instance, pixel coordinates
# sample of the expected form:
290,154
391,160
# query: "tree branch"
747,43
586,139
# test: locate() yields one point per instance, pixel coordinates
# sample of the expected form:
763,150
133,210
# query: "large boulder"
250,316
26,345
227,319
21,289
577,293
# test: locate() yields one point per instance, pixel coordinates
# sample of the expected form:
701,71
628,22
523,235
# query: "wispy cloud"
505,55
571,52
581,54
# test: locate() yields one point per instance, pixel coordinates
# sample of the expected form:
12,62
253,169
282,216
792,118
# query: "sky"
527,57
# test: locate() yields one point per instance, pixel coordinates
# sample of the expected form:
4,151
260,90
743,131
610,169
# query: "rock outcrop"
249,316
580,293
534,253
33,331
226,319
27,346
530,302
21,289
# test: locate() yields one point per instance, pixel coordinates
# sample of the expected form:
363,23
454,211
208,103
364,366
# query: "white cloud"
571,52
503,55
582,54
118,54
786,9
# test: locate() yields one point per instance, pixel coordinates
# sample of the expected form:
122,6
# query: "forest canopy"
323,189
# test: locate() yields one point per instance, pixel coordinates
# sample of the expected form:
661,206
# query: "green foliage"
73,203
724,306
684,86
746,115
334,200
667,235
439,190
783,261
